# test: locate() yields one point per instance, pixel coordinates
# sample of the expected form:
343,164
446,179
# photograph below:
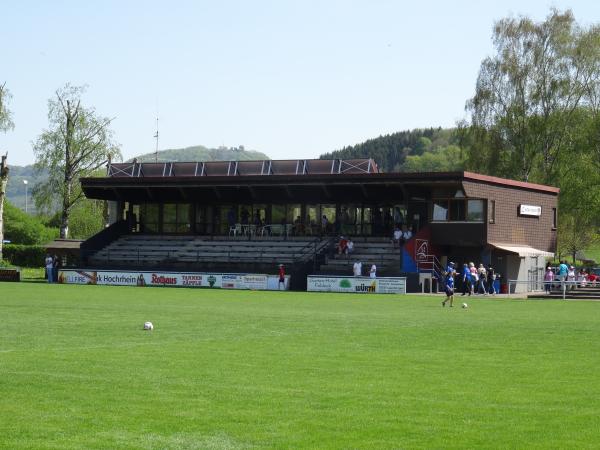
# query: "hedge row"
24,255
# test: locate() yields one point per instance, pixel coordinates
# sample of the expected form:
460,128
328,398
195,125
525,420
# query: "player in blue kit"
449,288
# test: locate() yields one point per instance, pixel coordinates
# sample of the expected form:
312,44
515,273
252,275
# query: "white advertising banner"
178,279
530,210
384,285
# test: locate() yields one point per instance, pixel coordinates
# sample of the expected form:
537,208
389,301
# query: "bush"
21,228
24,255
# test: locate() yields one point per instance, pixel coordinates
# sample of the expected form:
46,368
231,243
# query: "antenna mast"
156,137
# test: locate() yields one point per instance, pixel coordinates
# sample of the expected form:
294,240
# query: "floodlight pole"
25,182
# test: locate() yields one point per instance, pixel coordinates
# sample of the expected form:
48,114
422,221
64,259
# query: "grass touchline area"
239,369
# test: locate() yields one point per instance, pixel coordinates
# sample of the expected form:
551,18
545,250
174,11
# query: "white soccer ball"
148,326
464,305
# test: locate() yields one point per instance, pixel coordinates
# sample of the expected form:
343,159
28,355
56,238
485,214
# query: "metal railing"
540,286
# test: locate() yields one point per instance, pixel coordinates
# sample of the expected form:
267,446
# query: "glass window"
475,210
440,210
278,214
457,210
149,218
176,218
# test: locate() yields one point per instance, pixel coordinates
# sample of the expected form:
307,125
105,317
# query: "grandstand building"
252,215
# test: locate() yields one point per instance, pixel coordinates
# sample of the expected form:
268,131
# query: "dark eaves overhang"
331,185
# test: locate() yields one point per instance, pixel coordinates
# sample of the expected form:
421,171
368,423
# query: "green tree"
6,124
77,143
528,94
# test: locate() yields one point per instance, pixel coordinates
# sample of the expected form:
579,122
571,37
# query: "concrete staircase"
378,251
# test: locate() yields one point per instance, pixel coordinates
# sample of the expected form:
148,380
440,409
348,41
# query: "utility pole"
156,137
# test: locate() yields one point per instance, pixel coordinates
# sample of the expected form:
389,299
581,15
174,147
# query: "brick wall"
509,227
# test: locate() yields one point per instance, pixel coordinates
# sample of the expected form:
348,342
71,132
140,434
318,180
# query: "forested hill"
201,153
429,149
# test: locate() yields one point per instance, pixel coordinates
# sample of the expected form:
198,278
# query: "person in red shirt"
281,277
342,246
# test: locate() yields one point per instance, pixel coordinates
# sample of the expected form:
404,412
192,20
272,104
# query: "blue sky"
293,79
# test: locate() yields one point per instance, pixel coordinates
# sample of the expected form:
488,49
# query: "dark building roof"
319,181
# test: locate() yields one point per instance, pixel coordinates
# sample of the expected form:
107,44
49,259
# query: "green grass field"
240,369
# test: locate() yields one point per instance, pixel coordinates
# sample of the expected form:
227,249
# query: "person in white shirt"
357,269
49,262
397,236
407,235
373,271
349,246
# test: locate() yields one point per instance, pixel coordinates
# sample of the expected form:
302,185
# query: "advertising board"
175,279
365,285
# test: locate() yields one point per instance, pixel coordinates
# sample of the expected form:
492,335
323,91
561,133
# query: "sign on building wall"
530,210
364,285
174,279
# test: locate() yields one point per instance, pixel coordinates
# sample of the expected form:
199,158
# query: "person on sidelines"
449,289
357,269
281,284
55,268
548,279
571,278
482,275
563,269
466,280
491,279
373,271
49,263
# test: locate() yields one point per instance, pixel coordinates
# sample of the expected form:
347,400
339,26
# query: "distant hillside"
430,149
15,189
201,153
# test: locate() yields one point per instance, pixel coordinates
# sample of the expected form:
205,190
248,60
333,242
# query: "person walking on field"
449,289
466,280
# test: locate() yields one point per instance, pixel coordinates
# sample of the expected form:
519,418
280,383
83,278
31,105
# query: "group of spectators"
401,235
566,273
475,280
52,265
344,246
357,270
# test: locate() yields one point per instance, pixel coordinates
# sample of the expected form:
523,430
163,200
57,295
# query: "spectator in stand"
548,279
349,247
231,218
406,235
244,215
491,280
397,236
324,224
258,223
466,280
298,226
49,263
342,246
